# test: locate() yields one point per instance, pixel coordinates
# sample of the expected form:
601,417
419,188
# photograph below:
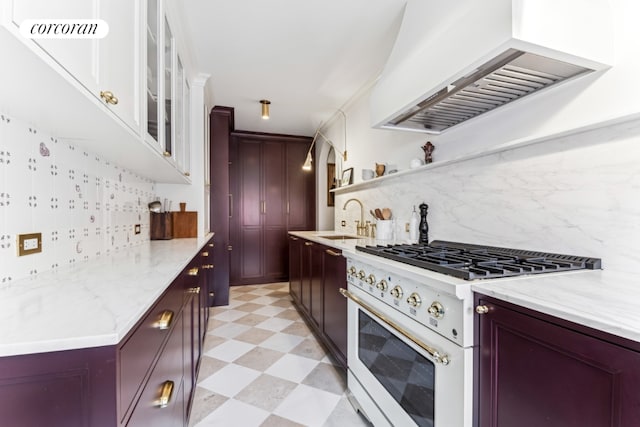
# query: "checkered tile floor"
262,366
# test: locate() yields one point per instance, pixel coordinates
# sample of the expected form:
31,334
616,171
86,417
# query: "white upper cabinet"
119,58
77,56
123,96
107,67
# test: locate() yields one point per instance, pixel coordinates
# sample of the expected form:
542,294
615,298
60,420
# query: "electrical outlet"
343,223
407,227
136,229
29,243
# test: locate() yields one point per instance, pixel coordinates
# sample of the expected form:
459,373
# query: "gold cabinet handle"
193,271
212,294
194,290
205,253
166,154
332,253
164,321
210,245
165,394
207,266
187,174
308,244
482,309
108,97
293,238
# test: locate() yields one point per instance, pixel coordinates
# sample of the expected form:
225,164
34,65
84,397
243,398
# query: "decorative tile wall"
83,205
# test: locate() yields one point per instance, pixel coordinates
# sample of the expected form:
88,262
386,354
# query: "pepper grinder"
424,226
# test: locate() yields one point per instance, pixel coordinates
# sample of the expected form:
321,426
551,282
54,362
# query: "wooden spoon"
386,213
379,213
373,214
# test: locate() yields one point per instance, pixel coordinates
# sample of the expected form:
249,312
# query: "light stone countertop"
91,304
600,299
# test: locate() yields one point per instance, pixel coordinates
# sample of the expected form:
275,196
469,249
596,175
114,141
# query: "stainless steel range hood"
453,63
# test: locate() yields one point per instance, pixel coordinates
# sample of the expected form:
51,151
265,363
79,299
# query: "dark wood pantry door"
271,195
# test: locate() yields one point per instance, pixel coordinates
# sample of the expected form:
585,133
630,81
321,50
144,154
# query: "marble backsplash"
576,194
83,205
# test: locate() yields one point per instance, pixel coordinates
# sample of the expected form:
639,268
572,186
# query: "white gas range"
410,326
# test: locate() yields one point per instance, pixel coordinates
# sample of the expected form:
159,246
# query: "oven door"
403,374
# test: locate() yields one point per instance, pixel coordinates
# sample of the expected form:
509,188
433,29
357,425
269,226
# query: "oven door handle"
435,354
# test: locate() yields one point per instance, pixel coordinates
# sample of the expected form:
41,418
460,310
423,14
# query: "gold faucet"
361,228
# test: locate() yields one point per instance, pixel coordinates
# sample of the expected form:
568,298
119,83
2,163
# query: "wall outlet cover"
136,229
29,244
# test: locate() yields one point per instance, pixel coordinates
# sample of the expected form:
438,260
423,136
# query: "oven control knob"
382,285
396,292
414,300
361,274
371,279
436,310
352,270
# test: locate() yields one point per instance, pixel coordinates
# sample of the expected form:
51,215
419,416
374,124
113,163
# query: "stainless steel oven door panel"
448,365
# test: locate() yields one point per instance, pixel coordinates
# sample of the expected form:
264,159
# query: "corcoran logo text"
64,28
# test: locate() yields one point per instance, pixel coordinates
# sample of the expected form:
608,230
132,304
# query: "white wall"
573,193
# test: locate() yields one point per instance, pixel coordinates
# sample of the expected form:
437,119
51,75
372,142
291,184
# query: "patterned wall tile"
83,205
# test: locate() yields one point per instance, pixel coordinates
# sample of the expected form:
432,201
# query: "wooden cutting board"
185,224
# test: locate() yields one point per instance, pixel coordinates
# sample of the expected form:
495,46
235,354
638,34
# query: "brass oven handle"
332,253
165,394
164,321
437,356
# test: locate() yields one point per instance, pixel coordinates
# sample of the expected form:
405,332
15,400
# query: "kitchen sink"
337,237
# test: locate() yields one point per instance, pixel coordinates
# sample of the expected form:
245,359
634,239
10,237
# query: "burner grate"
469,262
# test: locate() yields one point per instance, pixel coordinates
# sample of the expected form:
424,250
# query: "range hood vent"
453,61
509,76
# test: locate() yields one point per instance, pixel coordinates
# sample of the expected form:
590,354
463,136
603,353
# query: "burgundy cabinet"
60,389
270,196
295,267
221,125
118,385
536,370
314,290
335,305
316,282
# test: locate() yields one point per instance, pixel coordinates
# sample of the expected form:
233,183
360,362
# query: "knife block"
161,226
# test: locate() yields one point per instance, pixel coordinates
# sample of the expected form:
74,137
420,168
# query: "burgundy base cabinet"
148,379
537,370
316,274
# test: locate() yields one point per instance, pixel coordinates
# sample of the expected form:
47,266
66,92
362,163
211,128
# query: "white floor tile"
307,405
264,300
230,350
230,330
282,342
274,324
234,413
229,315
230,380
291,367
261,291
269,310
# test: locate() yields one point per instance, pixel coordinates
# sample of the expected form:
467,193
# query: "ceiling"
308,57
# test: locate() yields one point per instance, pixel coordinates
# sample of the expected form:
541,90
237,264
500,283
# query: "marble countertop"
605,300
92,304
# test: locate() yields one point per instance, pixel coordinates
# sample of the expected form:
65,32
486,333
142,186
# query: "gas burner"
470,262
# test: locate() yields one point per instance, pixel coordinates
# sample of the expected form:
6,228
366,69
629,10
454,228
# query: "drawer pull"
164,322
205,253
210,245
332,253
308,244
194,290
293,238
193,271
207,266
165,394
